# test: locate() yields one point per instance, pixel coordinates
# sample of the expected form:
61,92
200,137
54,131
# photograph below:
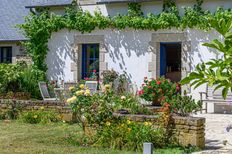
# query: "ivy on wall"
39,27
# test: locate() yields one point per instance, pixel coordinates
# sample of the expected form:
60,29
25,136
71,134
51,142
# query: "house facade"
172,53
11,38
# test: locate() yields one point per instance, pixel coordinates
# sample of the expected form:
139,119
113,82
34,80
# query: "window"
90,60
5,54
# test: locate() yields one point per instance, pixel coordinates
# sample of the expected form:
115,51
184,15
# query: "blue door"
163,59
90,60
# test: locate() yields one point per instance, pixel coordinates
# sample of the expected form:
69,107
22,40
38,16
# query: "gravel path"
218,140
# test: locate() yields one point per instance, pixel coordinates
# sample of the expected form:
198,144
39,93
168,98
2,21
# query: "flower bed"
186,130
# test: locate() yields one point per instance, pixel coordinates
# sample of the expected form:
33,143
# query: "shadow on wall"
58,56
124,46
199,52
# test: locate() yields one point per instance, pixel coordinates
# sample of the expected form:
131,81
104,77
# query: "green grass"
22,138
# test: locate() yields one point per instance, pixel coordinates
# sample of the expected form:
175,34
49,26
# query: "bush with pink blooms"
158,90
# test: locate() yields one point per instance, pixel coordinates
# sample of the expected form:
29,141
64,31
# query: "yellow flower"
129,129
80,92
108,123
123,97
147,123
82,86
107,87
72,99
42,108
87,92
35,116
128,122
71,88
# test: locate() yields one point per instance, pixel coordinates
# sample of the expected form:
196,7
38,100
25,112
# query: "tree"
216,72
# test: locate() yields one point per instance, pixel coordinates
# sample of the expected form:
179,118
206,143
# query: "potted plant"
158,90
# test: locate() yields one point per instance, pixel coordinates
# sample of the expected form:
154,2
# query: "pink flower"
86,78
178,87
145,78
94,71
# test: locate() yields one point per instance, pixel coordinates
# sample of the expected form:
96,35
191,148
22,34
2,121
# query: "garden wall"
23,105
186,130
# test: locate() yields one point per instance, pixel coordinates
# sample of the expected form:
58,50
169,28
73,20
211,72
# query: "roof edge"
56,5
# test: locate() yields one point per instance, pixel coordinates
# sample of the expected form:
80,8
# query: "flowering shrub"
109,76
128,135
91,109
130,103
158,90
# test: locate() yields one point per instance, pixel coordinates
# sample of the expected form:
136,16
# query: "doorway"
90,60
170,61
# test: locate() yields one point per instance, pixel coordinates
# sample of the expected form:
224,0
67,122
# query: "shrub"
39,116
20,78
109,76
130,103
184,105
158,90
129,135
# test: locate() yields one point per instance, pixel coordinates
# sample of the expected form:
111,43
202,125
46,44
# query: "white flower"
123,97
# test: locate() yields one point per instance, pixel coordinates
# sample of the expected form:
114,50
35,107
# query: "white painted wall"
129,50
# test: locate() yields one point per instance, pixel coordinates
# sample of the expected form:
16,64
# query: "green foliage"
38,28
109,76
184,105
29,81
39,116
20,78
217,72
129,135
130,103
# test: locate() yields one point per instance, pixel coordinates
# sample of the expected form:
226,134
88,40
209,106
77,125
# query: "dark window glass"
6,54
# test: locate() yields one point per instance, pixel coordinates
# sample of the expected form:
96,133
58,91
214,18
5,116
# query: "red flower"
158,82
140,92
94,71
86,78
149,87
166,104
178,87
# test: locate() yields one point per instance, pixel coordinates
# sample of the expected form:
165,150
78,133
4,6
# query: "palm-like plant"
217,72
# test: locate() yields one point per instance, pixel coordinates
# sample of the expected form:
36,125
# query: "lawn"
16,137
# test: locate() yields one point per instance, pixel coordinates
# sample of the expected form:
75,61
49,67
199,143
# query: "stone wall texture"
186,130
59,107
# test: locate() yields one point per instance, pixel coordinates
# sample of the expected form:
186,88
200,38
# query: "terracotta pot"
156,103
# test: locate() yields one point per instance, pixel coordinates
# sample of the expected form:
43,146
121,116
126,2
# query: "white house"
140,53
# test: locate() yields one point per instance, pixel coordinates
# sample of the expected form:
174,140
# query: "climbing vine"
38,28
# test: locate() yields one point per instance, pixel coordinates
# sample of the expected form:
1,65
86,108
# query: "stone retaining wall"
23,105
187,130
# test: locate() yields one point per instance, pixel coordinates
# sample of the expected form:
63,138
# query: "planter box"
186,130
